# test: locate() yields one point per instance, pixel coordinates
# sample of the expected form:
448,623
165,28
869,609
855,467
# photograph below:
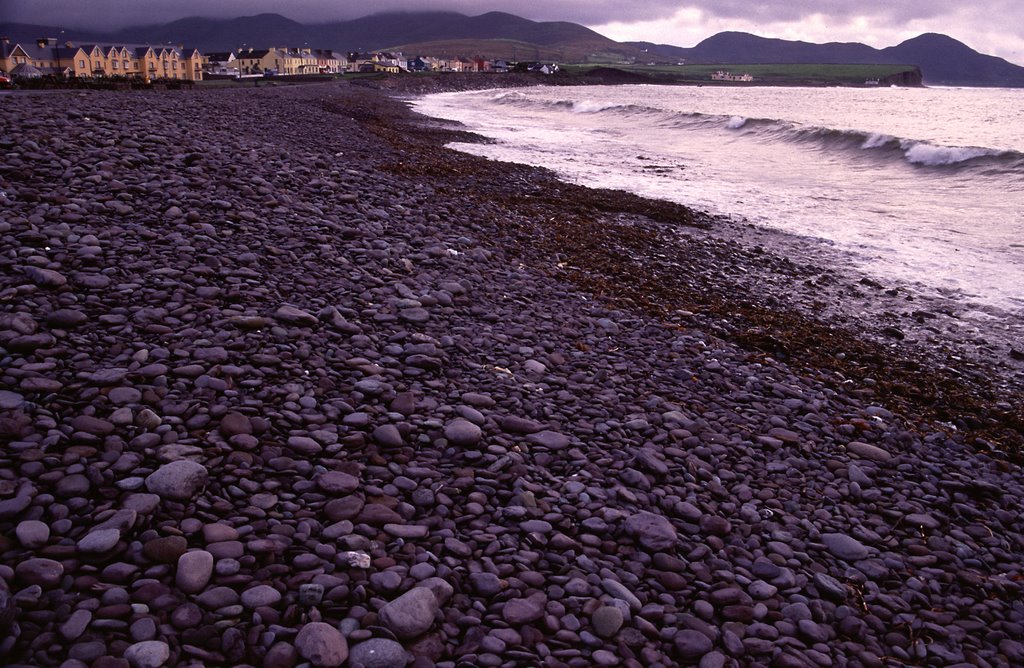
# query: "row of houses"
285,61
281,61
723,75
46,57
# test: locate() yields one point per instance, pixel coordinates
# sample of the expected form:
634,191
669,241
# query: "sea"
919,186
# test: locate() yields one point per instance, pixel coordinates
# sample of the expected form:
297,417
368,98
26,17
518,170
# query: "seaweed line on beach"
635,252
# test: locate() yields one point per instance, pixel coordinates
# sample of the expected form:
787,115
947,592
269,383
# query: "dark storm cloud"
1004,17
594,12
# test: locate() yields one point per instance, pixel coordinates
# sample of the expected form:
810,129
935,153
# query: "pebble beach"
284,382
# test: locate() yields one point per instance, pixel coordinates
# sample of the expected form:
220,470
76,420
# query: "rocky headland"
284,382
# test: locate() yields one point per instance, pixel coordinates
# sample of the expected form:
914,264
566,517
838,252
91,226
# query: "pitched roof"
26,71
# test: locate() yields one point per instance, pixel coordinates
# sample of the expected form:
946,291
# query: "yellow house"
44,55
258,61
105,60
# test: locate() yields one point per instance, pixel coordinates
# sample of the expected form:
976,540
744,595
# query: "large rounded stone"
166,549
260,595
378,653
845,547
148,654
42,572
321,644
410,614
180,480
692,644
32,533
462,432
652,531
607,621
337,482
194,571
99,542
524,610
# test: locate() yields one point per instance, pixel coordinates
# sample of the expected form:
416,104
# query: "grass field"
853,74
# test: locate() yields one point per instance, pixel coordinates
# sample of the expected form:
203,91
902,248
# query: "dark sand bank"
283,380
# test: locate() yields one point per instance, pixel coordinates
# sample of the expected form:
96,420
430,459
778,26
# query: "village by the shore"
147,63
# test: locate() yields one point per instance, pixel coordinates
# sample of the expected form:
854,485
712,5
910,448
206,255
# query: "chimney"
5,40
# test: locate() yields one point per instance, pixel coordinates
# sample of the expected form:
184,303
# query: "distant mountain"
945,61
262,30
375,32
942,59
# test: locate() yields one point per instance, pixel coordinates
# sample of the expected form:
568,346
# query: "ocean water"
924,186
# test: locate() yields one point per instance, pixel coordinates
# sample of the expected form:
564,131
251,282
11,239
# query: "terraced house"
146,62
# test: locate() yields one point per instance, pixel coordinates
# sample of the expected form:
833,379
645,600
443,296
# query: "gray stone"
519,611
217,597
310,594
46,278
692,644
180,480
10,400
148,654
868,451
43,572
76,624
830,588
235,424
304,446
194,571
844,547
260,595
411,614
99,542
378,653
485,584
322,645
463,433
551,440
388,436
32,533
652,531
295,316
607,621
620,591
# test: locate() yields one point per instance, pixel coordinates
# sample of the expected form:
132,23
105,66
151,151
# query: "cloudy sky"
995,27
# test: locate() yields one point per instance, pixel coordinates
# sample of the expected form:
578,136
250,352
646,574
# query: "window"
126,65
174,65
81,64
114,64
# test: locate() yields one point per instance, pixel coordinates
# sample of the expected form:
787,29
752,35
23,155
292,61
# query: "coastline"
799,299
312,385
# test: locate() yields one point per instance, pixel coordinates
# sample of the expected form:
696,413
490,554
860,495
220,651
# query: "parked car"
5,81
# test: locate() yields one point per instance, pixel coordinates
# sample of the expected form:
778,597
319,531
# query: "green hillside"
820,74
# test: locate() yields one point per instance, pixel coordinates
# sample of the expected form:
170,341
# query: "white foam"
876,140
938,156
591,107
736,122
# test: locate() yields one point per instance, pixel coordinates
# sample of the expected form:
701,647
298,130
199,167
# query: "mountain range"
942,59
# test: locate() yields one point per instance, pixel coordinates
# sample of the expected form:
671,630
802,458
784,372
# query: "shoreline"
819,284
313,388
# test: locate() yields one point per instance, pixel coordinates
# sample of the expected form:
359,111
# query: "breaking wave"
921,154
